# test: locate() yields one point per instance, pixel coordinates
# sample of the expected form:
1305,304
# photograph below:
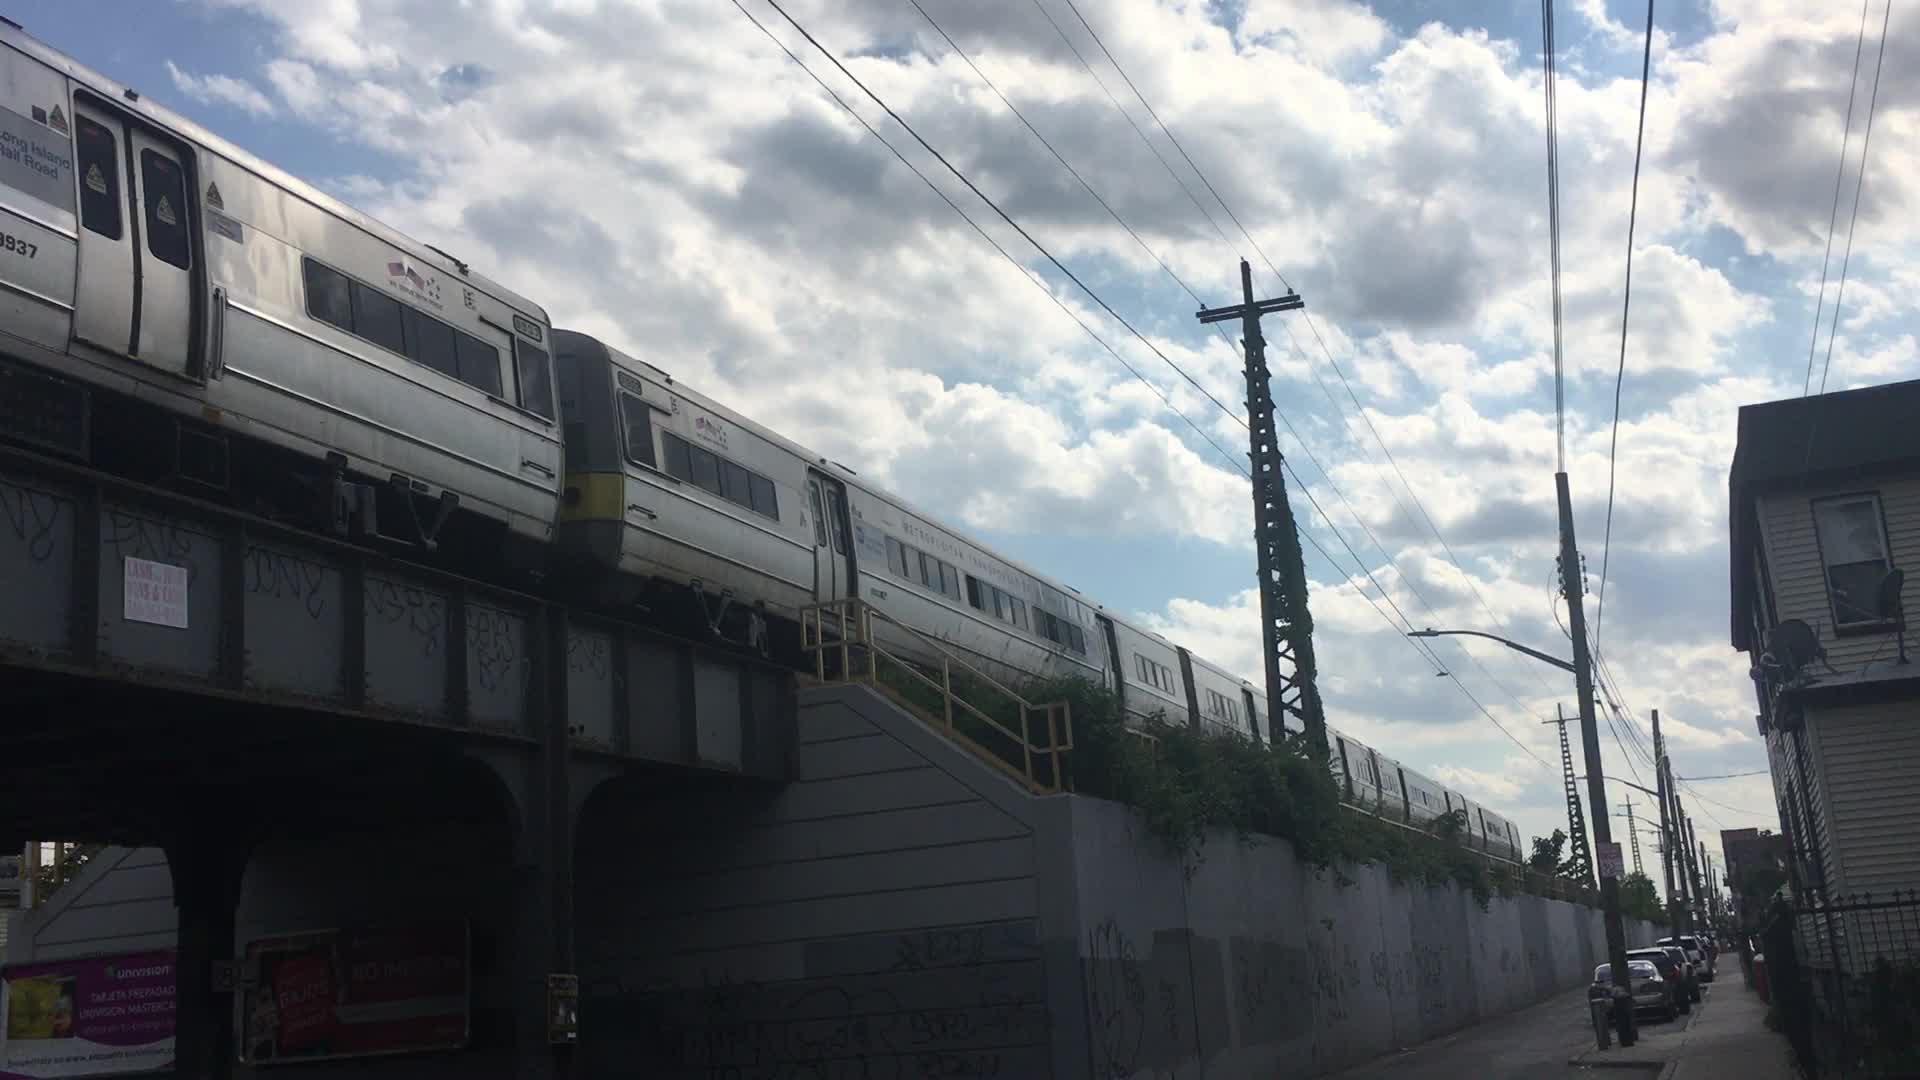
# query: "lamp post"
1581,668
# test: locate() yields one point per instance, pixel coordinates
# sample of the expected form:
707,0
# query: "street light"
1563,665
1579,667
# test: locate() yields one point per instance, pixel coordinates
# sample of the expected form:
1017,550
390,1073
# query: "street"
1534,1043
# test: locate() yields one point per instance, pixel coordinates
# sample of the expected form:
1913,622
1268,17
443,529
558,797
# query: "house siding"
1799,580
1871,793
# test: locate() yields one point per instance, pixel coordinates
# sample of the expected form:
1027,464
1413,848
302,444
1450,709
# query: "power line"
1729,776
1626,306
1833,219
1144,246
1553,235
1860,179
1275,270
1102,303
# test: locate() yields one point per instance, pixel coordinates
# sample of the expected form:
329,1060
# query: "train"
178,312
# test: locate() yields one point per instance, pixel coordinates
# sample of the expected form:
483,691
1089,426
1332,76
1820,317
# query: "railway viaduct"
747,878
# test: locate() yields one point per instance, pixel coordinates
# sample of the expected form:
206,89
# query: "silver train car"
178,312
667,487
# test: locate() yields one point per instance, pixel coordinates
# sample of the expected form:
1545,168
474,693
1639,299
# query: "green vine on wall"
1189,783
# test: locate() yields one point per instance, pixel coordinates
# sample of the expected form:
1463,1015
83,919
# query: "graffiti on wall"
966,1002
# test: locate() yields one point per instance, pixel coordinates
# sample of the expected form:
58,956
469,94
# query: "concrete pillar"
207,860
542,935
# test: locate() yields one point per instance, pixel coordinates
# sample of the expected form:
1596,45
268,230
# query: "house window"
1853,550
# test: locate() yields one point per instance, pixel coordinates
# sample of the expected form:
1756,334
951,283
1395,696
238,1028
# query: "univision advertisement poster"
354,993
93,1017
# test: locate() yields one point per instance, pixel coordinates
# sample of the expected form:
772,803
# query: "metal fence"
1845,979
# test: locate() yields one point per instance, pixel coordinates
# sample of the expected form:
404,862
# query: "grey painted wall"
1250,965
879,916
902,910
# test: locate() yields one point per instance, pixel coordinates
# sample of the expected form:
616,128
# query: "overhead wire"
1326,351
1626,307
1325,472
1860,179
1840,172
1553,233
1418,646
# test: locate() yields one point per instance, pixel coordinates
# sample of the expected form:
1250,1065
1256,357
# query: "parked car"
1651,993
1697,952
1675,969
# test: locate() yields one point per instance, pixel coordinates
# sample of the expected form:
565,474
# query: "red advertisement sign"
354,993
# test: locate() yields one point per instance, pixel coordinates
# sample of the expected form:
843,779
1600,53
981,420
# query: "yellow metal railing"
843,630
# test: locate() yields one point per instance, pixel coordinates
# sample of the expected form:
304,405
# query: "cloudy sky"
660,173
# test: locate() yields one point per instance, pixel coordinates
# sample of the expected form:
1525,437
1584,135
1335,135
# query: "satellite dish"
1794,644
1887,599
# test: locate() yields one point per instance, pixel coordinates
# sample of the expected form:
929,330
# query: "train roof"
851,478
131,100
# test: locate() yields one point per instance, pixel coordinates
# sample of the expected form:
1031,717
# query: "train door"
1186,679
134,293
833,566
1112,641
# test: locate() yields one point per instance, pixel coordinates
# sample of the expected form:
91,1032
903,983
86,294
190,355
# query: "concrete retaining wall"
1250,965
903,910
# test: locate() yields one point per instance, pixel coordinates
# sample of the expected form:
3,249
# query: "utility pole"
1693,866
1677,818
1633,834
1666,827
1574,588
1286,627
1578,854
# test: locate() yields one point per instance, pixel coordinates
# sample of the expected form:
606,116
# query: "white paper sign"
156,592
1611,865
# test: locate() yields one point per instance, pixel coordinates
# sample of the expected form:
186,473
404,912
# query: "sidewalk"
1726,1039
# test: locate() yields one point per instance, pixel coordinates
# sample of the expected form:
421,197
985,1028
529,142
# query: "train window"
430,342
929,571
1019,613
99,160
973,591
765,500
479,362
819,519
1079,642
535,373
837,519
680,466
166,209
950,582
376,317
999,602
637,420
329,295
733,483
706,469
896,557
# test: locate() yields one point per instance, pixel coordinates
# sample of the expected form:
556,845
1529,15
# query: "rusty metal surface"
117,582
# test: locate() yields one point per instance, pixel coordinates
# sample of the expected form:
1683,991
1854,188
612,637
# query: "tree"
1638,899
64,867
1548,853
1549,857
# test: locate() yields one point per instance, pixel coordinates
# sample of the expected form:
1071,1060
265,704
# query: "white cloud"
663,176
221,90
